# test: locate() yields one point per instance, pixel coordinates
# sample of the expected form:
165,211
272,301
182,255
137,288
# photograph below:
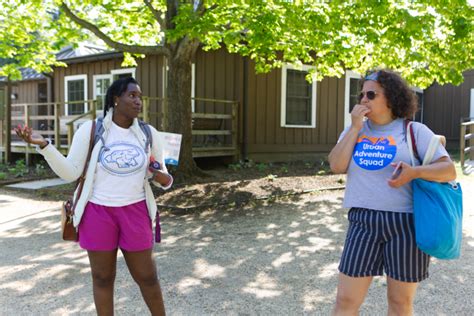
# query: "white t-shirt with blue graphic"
369,170
121,169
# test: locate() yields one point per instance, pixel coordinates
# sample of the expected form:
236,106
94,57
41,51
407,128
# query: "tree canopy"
424,40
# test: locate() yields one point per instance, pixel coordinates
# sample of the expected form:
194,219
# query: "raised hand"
27,135
357,115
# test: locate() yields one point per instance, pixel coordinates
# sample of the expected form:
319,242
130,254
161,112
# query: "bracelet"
47,143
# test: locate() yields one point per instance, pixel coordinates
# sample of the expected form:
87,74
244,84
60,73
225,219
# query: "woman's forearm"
340,156
441,171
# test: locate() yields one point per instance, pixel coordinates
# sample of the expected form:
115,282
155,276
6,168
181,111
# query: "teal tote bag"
437,209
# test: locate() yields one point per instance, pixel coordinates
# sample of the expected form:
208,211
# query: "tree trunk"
179,106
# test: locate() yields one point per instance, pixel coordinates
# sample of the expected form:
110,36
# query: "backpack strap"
145,127
99,132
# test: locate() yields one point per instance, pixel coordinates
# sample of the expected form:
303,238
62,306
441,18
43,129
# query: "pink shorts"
106,228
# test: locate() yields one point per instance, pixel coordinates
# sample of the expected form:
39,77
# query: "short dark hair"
116,89
402,100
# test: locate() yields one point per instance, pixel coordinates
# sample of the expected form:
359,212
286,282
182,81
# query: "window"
351,95
42,92
76,90
418,117
101,84
121,73
298,98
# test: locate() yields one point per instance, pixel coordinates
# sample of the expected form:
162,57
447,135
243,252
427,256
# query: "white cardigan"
70,168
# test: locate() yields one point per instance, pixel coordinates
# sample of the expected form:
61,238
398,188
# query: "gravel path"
275,259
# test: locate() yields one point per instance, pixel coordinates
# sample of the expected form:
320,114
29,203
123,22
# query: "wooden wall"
445,105
149,74
220,75
90,68
268,137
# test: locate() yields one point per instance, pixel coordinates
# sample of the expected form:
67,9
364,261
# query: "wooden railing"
52,125
467,135
61,128
215,126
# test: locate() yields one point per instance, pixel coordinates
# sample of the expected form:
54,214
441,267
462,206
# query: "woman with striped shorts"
374,153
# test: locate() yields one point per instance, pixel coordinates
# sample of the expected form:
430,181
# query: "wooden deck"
214,134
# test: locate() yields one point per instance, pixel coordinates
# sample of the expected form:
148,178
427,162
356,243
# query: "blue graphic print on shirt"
374,153
122,158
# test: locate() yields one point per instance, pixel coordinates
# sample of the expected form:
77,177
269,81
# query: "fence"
467,135
45,119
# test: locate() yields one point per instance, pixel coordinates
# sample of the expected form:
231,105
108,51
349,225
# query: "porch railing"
214,134
466,152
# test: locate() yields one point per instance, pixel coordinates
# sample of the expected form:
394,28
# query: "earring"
115,103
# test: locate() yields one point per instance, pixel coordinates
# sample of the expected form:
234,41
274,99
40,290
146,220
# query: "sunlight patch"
263,287
284,258
186,284
329,270
202,269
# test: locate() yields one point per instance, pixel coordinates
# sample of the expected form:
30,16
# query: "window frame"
347,95
305,68
421,91
66,91
121,71
94,84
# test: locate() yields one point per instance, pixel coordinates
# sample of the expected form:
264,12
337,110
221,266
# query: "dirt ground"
243,255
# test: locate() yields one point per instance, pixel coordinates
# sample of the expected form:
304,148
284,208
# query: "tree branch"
133,49
156,13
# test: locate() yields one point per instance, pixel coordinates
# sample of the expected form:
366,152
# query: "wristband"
47,143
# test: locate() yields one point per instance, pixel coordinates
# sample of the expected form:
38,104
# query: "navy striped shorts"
380,240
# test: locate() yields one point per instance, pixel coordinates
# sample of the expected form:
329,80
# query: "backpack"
145,127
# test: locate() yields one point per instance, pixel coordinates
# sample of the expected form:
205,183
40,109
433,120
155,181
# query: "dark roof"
82,50
27,74
67,53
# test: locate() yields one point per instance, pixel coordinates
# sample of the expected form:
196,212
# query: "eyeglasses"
371,94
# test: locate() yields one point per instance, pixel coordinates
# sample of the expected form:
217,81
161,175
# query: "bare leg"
400,297
143,270
103,269
351,293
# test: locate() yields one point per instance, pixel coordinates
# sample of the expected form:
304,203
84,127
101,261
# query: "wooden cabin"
276,116
446,106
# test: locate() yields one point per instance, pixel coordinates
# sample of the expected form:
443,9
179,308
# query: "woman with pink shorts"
117,207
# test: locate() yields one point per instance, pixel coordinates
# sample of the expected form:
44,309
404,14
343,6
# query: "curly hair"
116,89
402,101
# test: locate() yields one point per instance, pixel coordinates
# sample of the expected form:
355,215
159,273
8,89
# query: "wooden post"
164,117
470,131
462,144
8,121
28,146
57,127
146,110
70,132
234,131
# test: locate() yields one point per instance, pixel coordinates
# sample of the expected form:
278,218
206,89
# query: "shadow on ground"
277,258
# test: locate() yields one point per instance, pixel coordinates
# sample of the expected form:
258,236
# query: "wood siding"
149,74
268,137
445,106
219,75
